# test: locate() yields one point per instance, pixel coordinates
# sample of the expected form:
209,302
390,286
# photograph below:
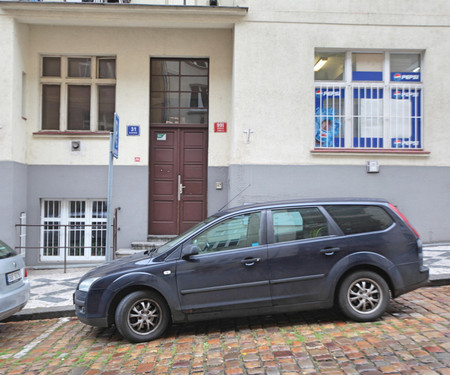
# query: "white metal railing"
229,3
369,115
22,232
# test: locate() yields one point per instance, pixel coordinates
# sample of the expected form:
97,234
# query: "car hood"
131,262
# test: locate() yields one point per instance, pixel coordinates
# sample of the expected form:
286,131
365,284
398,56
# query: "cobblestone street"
412,338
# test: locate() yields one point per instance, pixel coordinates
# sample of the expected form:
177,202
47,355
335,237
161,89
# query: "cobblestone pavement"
412,338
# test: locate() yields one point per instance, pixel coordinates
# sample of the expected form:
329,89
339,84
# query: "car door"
230,270
302,248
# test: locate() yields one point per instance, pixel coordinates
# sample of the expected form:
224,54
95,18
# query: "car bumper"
421,278
15,300
79,300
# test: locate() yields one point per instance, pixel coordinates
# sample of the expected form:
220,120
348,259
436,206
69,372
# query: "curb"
42,313
440,281
69,311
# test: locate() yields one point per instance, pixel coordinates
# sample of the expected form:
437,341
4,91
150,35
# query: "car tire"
142,316
363,296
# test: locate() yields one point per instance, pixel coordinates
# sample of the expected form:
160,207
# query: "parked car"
260,259
14,284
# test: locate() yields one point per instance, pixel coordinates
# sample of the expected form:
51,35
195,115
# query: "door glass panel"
298,224
189,83
194,67
165,99
194,116
165,67
165,83
234,233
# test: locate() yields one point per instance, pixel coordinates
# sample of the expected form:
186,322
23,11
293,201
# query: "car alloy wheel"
364,296
142,316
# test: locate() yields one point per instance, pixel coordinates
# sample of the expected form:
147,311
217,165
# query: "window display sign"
329,111
406,118
405,77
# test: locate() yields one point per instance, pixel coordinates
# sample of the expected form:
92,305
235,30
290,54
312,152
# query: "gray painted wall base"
421,193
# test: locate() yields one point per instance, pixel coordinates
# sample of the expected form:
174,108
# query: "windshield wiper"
150,251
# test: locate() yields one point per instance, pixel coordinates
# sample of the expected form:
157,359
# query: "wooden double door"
178,178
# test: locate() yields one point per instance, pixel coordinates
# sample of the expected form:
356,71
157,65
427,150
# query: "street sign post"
113,153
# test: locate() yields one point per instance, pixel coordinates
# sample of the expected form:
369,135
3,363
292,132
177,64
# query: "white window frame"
88,222
64,81
386,87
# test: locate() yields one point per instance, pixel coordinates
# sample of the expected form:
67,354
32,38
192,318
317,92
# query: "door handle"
330,250
250,261
180,187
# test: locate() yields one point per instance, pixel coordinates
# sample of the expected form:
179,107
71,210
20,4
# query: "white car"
14,283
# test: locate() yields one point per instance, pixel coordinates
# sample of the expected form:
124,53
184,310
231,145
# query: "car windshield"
6,251
171,244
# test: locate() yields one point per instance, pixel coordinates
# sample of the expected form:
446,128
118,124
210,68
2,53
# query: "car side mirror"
190,251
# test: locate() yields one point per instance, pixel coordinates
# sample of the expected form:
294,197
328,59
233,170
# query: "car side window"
233,233
298,223
353,219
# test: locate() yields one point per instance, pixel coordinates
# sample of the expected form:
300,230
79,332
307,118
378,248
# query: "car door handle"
250,261
330,250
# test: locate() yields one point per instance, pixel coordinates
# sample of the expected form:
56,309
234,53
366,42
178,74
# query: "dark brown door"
179,99
177,179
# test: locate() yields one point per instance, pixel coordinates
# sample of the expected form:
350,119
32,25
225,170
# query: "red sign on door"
220,127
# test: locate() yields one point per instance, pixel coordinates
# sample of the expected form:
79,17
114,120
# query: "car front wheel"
142,316
363,296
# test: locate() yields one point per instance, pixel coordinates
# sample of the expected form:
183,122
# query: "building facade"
246,101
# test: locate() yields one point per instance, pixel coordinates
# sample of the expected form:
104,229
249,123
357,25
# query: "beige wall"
133,49
261,79
274,51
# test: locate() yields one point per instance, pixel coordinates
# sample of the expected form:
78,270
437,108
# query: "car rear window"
353,219
6,251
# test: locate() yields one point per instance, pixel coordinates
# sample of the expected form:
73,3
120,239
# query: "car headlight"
86,284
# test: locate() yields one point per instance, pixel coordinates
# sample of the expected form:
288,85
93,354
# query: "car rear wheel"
142,316
364,296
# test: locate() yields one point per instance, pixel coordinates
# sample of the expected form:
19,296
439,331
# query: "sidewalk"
51,290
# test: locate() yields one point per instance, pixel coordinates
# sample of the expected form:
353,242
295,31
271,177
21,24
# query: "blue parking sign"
116,136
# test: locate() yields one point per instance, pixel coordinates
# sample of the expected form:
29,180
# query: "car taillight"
404,219
25,272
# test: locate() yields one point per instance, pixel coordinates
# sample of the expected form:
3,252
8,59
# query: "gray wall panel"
421,193
217,198
130,193
13,192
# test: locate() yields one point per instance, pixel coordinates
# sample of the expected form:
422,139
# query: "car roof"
299,202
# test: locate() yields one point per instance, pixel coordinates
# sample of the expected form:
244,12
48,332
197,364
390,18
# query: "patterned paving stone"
413,337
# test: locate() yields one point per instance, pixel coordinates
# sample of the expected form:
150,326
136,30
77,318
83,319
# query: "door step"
140,246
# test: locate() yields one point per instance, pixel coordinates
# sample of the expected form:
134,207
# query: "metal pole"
109,199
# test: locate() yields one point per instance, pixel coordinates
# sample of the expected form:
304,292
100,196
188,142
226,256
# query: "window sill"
372,151
72,134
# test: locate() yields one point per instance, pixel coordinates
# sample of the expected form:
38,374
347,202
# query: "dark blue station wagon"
261,259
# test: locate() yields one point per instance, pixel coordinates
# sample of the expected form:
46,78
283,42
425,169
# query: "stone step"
139,246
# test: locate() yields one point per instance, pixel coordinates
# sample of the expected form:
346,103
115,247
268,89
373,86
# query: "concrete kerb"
69,311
